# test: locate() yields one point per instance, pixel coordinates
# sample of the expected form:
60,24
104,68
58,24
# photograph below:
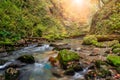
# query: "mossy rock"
98,63
66,56
115,46
104,73
77,68
29,59
90,39
116,50
118,69
106,43
99,44
114,59
6,43
69,72
11,74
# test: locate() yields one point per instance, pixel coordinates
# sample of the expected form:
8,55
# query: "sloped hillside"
107,19
28,18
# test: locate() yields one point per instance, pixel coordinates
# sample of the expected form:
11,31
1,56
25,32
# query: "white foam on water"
5,65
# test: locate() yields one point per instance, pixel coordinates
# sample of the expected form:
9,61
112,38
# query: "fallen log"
102,38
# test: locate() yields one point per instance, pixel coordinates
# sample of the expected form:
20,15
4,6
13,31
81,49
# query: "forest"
59,39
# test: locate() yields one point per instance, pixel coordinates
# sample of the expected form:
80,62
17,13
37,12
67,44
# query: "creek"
41,69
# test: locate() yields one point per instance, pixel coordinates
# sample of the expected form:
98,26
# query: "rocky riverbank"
76,61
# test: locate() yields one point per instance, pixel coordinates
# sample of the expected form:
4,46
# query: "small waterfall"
5,65
80,75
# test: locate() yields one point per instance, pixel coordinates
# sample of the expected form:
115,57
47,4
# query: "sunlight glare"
78,1
76,10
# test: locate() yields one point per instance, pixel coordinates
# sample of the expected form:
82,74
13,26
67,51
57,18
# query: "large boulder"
60,46
66,57
29,59
69,61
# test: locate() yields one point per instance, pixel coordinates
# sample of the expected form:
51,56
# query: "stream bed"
43,70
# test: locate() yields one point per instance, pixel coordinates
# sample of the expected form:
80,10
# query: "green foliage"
114,59
106,43
90,39
31,18
107,20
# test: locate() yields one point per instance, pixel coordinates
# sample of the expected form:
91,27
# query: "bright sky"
76,10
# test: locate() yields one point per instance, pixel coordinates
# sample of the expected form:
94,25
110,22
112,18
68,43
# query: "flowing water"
41,69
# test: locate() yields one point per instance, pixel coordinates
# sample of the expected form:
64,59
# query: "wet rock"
57,72
108,51
104,73
2,61
60,46
3,54
56,75
2,77
95,52
22,41
53,61
78,49
118,70
117,76
113,59
29,59
16,64
99,63
90,75
66,58
11,74
69,72
77,68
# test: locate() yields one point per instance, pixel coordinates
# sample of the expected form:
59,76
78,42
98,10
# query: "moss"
114,59
116,46
116,50
98,63
106,43
6,43
104,73
99,44
66,56
90,39
107,19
